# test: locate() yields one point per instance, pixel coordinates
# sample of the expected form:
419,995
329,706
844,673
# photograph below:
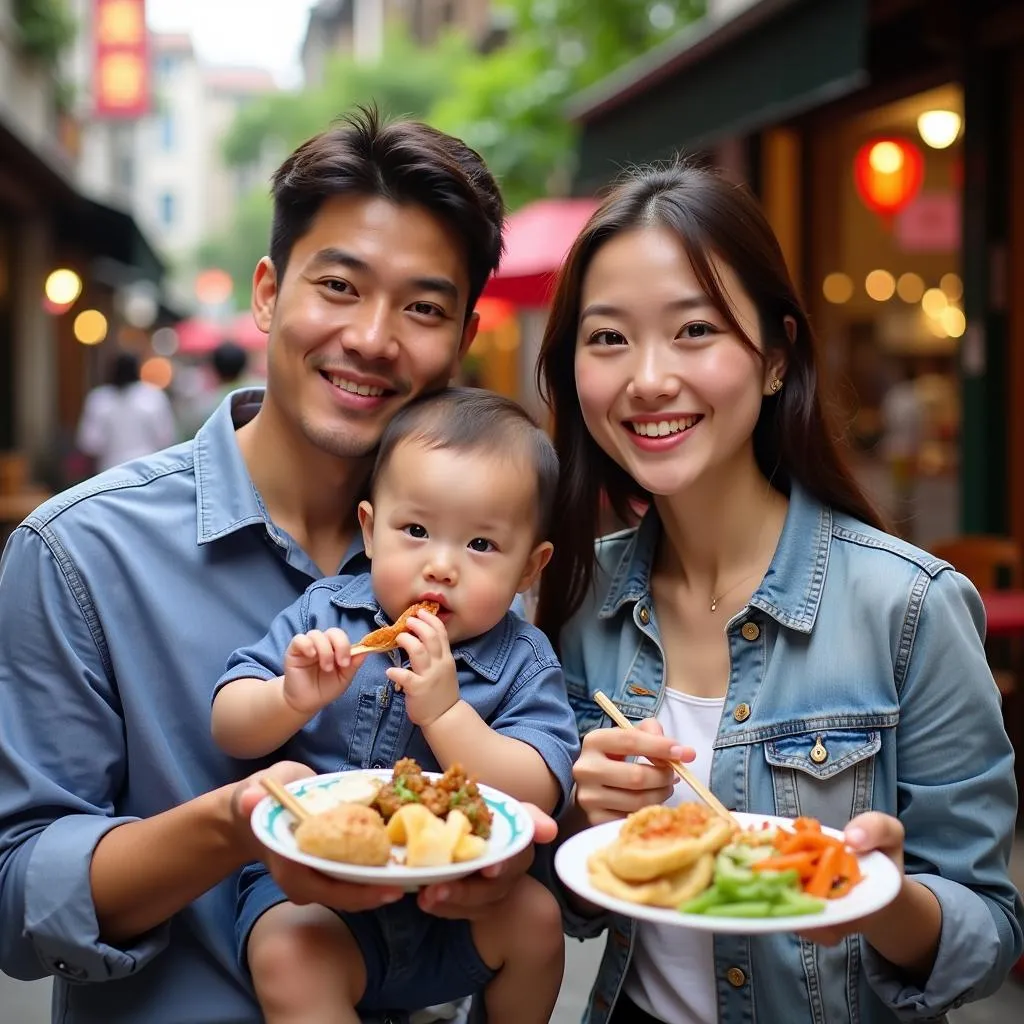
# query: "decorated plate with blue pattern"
511,832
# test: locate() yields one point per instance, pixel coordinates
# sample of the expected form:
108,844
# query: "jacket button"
735,977
750,631
742,712
819,755
645,616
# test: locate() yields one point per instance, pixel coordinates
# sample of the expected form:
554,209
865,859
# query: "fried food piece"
349,789
658,841
668,891
428,840
350,833
386,638
453,790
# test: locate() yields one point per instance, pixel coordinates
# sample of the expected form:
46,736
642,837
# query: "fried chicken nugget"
350,833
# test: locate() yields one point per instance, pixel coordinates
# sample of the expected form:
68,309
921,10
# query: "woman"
125,418
762,624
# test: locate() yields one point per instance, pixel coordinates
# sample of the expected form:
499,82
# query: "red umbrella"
536,240
243,330
197,336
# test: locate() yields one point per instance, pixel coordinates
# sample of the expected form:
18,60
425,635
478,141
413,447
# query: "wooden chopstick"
677,766
285,799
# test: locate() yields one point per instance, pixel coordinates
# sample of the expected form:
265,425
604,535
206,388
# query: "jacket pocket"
827,774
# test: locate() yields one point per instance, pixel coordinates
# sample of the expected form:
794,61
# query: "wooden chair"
990,563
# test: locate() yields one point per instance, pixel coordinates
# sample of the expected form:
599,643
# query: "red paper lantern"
888,173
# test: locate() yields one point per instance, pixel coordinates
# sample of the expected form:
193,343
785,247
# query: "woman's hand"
906,932
609,787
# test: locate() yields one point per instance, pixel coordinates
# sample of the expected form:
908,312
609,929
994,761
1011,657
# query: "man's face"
371,311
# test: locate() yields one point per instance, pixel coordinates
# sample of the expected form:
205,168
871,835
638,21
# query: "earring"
775,386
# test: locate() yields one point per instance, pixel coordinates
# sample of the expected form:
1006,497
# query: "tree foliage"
508,103
408,80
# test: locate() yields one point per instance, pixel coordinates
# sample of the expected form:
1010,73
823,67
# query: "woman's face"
667,388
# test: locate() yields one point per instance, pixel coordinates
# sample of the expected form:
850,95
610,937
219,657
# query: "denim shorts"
412,959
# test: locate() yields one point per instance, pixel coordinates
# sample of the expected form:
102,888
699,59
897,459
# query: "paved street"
22,1003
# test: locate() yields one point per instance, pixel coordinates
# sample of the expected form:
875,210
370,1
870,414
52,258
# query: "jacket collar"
791,589
487,654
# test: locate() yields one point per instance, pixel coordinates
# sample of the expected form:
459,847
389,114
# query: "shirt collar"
226,500
791,589
486,654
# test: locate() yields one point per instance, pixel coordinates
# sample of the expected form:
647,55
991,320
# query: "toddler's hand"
430,683
317,669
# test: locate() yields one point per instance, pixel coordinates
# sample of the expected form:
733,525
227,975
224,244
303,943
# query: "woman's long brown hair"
713,219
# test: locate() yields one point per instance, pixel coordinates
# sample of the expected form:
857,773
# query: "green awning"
721,77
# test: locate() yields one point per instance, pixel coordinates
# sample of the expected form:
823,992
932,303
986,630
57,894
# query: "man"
121,599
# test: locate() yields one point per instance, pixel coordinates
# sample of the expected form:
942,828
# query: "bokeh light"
880,285
90,327
157,371
837,288
910,287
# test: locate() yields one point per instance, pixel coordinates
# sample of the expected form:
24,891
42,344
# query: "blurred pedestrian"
124,418
229,363
903,427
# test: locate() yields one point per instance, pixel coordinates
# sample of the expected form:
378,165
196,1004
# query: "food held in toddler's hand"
386,638
350,833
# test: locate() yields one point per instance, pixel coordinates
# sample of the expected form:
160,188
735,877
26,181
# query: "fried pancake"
658,841
386,638
671,890
350,833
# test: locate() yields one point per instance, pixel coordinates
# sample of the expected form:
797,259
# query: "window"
166,65
166,124
167,209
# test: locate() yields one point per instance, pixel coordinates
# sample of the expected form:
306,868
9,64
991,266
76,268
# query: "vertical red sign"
121,71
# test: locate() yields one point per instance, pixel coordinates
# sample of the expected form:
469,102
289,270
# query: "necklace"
725,593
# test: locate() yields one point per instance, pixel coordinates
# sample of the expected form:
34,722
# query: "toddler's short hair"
476,420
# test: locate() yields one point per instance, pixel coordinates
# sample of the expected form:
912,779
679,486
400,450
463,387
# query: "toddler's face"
455,527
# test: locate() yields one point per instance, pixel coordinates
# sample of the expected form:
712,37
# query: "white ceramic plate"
511,831
879,886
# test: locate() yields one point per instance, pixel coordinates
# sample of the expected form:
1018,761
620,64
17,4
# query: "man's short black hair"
403,162
476,420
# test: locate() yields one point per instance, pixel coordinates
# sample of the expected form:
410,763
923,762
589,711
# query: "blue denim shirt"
120,603
872,648
509,675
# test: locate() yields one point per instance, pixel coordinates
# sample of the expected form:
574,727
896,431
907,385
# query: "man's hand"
317,669
430,683
300,884
473,896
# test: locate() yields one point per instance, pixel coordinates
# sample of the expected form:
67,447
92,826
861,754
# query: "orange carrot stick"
802,863
821,881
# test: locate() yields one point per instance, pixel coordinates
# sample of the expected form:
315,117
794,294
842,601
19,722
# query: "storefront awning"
723,76
537,238
35,179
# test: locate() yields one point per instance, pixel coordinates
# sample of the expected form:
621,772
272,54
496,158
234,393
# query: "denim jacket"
871,649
